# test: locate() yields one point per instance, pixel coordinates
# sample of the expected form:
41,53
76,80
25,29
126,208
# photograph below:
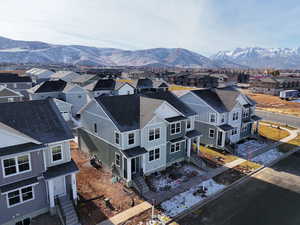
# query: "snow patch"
248,148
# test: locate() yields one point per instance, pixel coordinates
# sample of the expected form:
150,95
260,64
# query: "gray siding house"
36,168
224,115
8,95
136,135
15,82
39,75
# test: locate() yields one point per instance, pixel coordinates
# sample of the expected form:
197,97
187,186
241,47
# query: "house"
85,79
64,108
274,85
9,95
224,115
109,87
37,170
146,84
135,135
71,93
67,76
15,82
39,75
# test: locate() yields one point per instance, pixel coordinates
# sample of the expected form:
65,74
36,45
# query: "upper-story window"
154,134
212,117
234,131
95,128
175,147
235,116
131,138
118,159
154,154
16,165
20,196
10,99
57,154
117,138
222,118
176,128
245,113
188,124
211,133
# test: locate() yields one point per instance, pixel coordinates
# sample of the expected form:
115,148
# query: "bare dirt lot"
93,183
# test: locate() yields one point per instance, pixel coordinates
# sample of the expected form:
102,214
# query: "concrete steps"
141,185
68,212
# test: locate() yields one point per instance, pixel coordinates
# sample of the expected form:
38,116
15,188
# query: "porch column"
189,145
223,138
257,127
198,145
51,196
129,169
74,187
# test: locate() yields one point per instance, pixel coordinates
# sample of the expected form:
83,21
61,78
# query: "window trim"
116,153
129,138
214,132
154,129
17,165
215,114
115,138
95,130
20,195
175,128
62,155
154,159
186,125
176,143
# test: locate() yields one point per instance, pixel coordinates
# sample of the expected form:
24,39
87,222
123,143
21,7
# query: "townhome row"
36,168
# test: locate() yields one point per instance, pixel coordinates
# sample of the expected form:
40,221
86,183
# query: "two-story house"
36,168
39,75
67,76
15,82
136,135
224,115
9,95
70,93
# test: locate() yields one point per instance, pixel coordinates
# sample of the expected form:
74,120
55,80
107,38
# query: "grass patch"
214,155
280,124
251,165
285,147
275,134
180,88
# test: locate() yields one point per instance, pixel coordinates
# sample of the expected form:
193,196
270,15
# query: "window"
118,159
117,138
10,99
15,85
56,153
19,196
131,138
222,118
175,147
79,96
95,128
212,117
154,134
24,222
16,165
235,116
176,128
211,133
234,131
188,124
154,154
245,113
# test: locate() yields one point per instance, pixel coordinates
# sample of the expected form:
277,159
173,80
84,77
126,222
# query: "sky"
203,26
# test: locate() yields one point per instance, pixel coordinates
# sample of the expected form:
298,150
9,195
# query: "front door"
59,186
133,165
220,138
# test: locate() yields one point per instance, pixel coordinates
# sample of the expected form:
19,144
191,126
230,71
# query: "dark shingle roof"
19,184
172,100
105,84
144,83
193,133
13,78
132,152
221,99
52,86
225,127
40,120
175,118
19,148
62,169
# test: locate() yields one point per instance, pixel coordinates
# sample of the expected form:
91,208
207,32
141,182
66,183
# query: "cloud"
205,26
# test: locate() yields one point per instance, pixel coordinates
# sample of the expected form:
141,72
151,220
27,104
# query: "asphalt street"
280,118
271,197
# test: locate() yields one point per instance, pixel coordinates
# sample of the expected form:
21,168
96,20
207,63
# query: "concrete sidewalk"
127,214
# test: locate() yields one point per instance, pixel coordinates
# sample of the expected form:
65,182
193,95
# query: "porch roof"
177,140
175,118
256,118
247,106
62,169
19,184
20,148
193,133
132,152
225,127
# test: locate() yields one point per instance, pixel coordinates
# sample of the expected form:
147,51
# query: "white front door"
59,186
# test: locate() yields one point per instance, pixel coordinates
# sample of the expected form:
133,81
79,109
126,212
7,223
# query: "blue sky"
204,26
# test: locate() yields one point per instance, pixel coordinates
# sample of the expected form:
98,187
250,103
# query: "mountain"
277,58
12,51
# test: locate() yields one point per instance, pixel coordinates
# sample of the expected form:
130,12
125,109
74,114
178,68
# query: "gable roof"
13,78
144,83
50,86
6,92
101,85
40,120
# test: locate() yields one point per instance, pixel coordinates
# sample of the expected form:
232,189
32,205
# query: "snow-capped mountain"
279,58
12,51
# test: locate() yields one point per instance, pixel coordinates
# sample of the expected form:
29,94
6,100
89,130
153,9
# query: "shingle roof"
40,120
62,169
144,83
51,86
20,148
132,152
104,84
19,184
13,78
221,99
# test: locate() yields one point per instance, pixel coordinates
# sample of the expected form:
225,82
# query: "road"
280,118
272,197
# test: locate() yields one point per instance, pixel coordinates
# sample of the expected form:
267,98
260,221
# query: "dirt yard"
275,104
92,183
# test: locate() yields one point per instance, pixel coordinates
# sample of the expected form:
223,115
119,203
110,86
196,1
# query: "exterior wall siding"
204,129
176,156
15,99
179,135
65,150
